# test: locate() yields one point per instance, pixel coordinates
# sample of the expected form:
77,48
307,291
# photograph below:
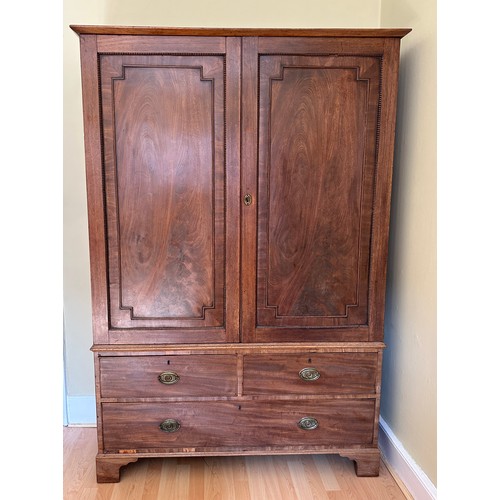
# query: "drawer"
333,373
247,424
193,375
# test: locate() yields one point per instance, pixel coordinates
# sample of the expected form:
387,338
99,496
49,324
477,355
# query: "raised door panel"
317,155
165,183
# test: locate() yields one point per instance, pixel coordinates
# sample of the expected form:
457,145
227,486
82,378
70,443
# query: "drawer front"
224,424
168,376
334,373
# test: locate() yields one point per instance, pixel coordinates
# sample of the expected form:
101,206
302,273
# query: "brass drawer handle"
170,425
168,378
309,374
308,423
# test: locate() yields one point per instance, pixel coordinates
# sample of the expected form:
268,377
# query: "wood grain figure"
239,187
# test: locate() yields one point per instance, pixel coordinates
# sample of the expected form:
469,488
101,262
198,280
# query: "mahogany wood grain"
249,140
284,300
94,181
108,468
233,179
173,335
367,462
238,348
383,188
378,390
97,378
163,127
240,32
317,161
246,425
339,373
318,131
163,123
137,376
239,186
297,45
160,44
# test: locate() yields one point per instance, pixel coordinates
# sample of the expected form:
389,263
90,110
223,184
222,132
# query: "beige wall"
409,400
77,310
244,13
409,369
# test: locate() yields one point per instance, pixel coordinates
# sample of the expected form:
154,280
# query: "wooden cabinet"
239,189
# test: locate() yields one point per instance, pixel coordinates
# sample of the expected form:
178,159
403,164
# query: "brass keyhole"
247,199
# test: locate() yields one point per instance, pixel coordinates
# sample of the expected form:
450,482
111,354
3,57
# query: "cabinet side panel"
383,188
95,200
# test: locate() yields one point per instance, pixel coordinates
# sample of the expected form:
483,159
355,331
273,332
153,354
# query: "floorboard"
299,477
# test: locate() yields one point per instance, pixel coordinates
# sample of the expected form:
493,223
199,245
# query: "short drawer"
198,426
168,376
333,373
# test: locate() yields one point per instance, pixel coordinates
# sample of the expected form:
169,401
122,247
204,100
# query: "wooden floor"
304,477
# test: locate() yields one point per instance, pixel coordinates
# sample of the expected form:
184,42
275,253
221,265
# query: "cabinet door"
308,237
170,229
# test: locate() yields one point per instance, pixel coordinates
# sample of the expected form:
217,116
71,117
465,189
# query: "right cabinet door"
309,257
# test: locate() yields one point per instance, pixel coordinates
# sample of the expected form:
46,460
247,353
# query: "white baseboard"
80,410
413,477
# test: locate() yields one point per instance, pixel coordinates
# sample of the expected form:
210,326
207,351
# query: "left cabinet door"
166,131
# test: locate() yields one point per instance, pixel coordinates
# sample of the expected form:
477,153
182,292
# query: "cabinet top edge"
304,32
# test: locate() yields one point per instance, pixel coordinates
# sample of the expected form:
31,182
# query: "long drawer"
219,424
168,376
333,373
